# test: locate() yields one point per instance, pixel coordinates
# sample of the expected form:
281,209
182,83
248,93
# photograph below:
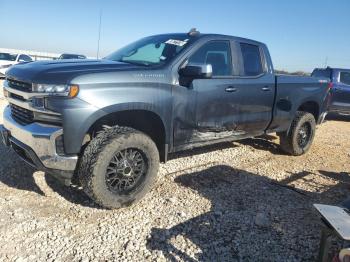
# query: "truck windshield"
153,50
7,56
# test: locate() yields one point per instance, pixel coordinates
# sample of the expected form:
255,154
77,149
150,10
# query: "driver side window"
217,54
24,58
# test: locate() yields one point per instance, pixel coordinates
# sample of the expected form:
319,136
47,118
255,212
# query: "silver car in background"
7,60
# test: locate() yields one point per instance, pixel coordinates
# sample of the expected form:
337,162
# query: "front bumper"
37,143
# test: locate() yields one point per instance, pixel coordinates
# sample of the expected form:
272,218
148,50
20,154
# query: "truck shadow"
72,194
231,230
265,142
15,173
201,150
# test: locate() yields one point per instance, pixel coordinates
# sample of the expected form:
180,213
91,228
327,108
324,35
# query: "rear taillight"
330,85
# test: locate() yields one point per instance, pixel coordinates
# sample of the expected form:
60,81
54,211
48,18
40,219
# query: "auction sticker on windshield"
176,42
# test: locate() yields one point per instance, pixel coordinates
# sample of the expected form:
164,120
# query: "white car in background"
7,60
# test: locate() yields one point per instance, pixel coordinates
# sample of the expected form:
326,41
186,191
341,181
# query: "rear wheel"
298,139
119,167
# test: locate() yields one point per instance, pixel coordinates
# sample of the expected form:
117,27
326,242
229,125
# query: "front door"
256,89
213,102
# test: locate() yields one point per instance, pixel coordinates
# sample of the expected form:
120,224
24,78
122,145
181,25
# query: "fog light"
60,145
38,102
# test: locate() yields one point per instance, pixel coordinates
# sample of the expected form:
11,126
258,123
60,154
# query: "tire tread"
89,160
286,138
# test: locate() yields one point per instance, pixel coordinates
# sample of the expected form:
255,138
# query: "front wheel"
119,167
297,141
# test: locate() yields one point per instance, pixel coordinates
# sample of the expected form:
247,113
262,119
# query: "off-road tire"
97,156
288,140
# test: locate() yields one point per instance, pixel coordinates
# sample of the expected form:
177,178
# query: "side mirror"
197,71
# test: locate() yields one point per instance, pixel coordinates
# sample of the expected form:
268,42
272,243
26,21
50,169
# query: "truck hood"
62,71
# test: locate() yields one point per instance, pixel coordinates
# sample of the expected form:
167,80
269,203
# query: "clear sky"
300,34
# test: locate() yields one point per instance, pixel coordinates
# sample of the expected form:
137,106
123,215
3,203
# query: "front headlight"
57,90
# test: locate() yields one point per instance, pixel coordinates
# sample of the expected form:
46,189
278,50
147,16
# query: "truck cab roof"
328,72
211,35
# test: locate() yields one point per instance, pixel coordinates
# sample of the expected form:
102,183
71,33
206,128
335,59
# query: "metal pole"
99,35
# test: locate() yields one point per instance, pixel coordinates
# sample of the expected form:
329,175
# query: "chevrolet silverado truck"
110,122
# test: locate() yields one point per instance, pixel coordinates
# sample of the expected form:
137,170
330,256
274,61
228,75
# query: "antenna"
99,35
326,62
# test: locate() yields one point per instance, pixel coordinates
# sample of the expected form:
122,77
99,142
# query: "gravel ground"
221,203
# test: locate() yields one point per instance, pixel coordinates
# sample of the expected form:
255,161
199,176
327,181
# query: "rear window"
71,56
326,73
251,59
345,78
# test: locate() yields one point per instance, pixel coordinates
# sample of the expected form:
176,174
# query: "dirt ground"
221,203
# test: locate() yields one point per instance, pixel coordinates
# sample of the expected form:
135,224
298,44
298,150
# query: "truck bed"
293,91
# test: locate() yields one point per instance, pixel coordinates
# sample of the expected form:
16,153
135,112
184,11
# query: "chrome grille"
17,97
19,85
22,115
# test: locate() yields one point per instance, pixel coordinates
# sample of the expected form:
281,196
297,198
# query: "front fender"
77,122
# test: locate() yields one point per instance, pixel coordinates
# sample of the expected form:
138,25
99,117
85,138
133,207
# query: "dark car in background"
71,56
7,60
340,88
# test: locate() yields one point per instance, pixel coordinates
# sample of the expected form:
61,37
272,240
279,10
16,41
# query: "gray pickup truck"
110,122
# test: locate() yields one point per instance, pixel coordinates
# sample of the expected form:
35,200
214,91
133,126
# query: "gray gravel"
223,203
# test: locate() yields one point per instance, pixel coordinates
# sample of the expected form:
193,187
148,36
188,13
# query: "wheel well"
310,107
142,120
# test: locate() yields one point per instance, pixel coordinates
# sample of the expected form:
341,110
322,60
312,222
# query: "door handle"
266,88
231,89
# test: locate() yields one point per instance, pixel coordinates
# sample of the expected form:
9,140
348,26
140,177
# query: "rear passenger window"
217,54
322,73
345,78
251,60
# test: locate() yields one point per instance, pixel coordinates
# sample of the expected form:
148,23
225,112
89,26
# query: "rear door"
341,92
255,88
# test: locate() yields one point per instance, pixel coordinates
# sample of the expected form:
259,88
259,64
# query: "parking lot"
234,201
